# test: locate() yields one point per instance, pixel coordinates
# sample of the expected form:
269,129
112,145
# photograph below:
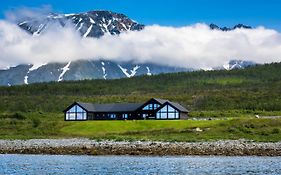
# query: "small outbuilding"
153,109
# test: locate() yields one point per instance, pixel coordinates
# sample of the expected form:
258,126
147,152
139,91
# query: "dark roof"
161,101
114,107
123,107
178,106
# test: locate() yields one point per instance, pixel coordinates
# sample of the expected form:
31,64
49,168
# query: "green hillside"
35,111
256,88
52,125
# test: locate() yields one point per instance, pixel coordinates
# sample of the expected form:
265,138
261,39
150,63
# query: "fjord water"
67,164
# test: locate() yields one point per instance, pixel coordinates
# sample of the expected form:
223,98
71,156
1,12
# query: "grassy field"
51,125
35,110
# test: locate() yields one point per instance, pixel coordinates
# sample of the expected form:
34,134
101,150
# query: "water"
127,165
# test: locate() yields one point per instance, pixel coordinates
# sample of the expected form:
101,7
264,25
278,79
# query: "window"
151,106
148,107
125,116
76,113
156,106
112,116
167,112
145,116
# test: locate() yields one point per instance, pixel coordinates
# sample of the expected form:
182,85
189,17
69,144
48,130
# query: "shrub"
275,131
18,116
36,122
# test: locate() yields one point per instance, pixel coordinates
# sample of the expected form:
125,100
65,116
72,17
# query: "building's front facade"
155,109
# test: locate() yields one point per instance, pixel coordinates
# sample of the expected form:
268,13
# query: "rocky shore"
92,147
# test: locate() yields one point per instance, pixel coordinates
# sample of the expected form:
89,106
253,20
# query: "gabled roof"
161,101
178,106
113,107
124,107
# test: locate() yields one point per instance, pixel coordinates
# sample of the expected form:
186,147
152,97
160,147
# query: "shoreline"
83,146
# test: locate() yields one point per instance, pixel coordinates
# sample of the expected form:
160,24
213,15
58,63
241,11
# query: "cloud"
193,46
20,13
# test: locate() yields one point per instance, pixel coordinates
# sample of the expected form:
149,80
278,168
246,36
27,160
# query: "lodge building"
153,109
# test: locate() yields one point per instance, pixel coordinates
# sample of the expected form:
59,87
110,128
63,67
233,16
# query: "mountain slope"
250,89
238,26
79,70
90,24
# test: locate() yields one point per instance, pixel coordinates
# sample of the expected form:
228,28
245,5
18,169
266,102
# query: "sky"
176,33
170,12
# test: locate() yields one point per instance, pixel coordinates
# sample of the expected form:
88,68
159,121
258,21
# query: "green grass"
256,89
225,81
52,125
253,129
35,111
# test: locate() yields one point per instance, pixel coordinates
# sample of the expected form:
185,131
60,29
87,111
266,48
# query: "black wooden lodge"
155,109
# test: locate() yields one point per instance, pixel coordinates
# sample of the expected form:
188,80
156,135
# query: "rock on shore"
92,147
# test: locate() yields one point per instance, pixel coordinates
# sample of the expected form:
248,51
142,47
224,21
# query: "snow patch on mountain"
80,27
238,64
5,68
148,71
64,70
88,31
226,66
91,20
32,68
103,70
70,14
132,72
207,68
36,66
124,70
25,79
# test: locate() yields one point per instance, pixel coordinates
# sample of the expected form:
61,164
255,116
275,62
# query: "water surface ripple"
67,164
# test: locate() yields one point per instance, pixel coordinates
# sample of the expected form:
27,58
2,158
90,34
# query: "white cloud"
18,14
190,46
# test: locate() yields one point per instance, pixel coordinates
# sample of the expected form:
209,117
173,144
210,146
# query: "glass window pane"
67,116
177,115
156,106
158,115
125,116
79,109
163,115
79,116
70,116
146,107
171,109
71,109
164,109
171,115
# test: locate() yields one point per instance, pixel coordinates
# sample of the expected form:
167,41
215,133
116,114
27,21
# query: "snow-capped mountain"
238,64
79,70
89,24
238,26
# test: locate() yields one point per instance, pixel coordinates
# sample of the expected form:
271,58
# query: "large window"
112,116
167,112
125,116
76,113
151,106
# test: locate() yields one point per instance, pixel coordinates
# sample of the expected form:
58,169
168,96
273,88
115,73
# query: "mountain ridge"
90,24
